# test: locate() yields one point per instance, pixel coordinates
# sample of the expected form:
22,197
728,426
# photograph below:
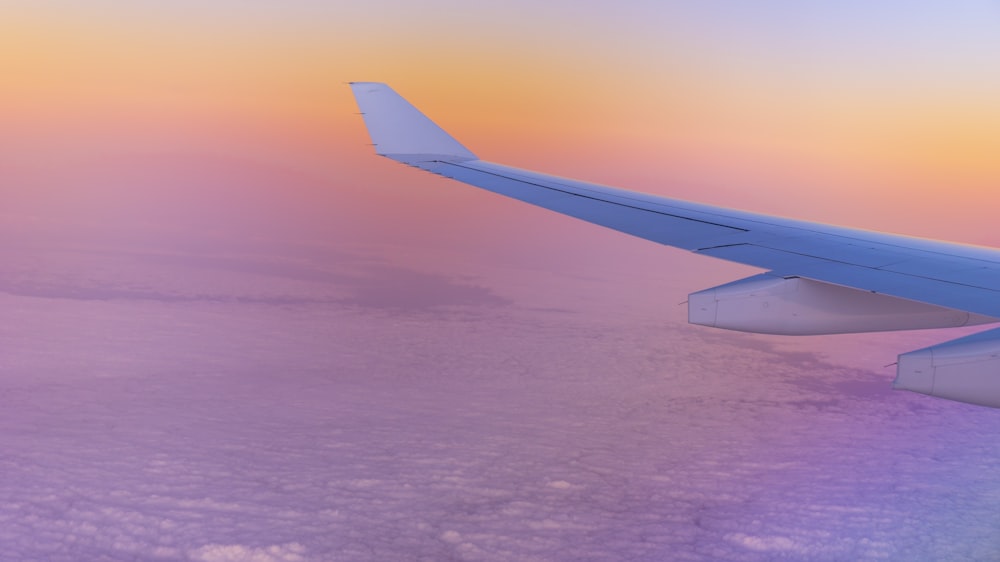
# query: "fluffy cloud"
291,552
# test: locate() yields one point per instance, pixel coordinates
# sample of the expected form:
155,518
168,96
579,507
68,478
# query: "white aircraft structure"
820,279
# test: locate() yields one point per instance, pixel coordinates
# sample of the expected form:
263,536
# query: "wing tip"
400,131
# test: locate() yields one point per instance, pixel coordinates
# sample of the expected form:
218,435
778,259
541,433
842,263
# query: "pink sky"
875,117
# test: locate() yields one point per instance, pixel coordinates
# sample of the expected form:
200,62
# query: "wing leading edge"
957,283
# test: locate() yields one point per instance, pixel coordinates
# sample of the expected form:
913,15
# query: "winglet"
399,131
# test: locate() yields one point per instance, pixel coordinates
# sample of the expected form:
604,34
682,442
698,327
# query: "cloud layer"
354,420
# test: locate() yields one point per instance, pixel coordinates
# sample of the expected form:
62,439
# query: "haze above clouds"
273,401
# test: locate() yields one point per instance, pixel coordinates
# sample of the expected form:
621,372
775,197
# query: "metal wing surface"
950,275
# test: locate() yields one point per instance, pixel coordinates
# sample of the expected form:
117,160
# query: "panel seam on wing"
593,198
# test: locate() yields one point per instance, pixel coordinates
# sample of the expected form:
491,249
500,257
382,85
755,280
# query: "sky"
233,333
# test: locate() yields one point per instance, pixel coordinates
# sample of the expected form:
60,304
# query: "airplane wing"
820,278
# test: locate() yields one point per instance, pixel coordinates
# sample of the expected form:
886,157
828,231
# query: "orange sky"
701,107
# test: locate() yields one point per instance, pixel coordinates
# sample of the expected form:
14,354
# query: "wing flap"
979,300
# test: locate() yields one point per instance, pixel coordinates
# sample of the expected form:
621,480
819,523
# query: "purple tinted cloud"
219,395
180,429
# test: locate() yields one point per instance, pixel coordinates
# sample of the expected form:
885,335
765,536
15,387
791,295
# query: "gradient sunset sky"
880,115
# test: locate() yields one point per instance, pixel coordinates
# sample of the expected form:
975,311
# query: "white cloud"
451,536
291,552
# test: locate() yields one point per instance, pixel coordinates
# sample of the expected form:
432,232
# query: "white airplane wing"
820,279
